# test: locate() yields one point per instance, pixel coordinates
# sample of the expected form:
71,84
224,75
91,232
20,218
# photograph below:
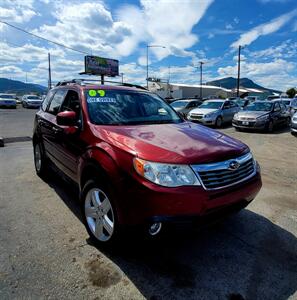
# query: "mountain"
231,83
19,87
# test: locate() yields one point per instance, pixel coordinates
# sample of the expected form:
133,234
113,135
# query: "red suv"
136,161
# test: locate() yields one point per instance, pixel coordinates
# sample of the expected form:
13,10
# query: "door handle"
56,130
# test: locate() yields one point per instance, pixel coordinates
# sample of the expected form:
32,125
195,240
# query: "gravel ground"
45,251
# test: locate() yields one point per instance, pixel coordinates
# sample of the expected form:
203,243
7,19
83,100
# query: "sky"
189,31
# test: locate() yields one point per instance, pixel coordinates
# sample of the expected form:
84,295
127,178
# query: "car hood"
203,111
251,114
183,143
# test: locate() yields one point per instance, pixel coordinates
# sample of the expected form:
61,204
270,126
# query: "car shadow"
245,257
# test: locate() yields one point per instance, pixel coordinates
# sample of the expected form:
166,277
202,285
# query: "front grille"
196,117
246,119
219,175
250,124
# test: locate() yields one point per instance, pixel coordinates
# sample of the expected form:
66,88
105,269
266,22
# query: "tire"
40,161
99,213
219,122
270,126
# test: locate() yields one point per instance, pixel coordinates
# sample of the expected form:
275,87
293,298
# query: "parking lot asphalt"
45,251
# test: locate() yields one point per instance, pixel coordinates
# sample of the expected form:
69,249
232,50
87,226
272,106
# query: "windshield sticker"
101,93
92,93
101,100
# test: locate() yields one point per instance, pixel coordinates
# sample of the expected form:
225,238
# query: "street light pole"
238,71
147,59
49,72
201,63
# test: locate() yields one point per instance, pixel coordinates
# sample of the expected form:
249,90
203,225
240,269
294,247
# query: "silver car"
31,101
8,100
294,124
214,112
185,106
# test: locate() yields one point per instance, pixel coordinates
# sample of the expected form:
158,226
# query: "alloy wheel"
99,214
37,157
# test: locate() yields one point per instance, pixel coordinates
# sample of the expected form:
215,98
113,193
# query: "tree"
291,92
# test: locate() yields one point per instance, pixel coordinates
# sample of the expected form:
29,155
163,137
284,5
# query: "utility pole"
238,73
201,64
122,74
49,72
147,59
26,78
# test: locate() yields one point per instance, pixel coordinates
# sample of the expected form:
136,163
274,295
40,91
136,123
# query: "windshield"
120,107
33,98
240,102
179,104
286,102
212,104
7,96
259,106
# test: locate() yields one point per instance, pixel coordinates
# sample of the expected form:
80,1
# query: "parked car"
252,98
262,115
31,101
294,124
272,97
7,100
293,108
214,112
242,102
136,162
185,106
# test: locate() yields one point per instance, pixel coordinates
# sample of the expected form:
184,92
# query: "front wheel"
219,122
270,126
100,216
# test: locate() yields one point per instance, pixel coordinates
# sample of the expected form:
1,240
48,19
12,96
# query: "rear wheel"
219,122
40,161
99,212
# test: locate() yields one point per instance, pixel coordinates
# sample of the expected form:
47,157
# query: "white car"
31,101
294,124
8,100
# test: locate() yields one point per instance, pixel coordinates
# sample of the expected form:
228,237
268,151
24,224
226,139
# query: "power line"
40,37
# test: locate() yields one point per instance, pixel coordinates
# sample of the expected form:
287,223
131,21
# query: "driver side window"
72,103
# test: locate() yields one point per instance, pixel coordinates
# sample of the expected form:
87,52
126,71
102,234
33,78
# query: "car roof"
185,100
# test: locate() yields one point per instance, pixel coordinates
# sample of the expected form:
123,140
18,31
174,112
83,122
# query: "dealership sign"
96,65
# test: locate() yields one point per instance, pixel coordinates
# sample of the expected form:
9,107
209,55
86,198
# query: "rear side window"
56,102
47,99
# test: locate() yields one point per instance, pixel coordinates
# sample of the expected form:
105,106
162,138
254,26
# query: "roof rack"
82,81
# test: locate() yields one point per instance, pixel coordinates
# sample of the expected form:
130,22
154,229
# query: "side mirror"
67,118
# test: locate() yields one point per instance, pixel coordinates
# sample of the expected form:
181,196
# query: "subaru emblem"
234,165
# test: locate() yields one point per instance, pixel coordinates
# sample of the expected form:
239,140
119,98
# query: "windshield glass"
259,106
286,102
7,96
240,102
119,107
33,98
179,104
212,104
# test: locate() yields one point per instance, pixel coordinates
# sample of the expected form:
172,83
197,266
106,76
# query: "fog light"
155,228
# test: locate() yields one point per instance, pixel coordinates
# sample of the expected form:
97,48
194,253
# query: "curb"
1,141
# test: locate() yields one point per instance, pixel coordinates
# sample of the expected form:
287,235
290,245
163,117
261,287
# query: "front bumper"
294,126
257,125
7,104
147,202
203,120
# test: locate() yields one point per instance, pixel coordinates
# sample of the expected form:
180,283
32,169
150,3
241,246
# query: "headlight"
166,174
236,117
263,118
294,119
209,115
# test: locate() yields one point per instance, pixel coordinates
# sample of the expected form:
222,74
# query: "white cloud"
276,74
295,26
16,11
264,29
229,26
158,22
277,1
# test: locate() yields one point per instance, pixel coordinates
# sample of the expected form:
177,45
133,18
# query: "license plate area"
245,123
